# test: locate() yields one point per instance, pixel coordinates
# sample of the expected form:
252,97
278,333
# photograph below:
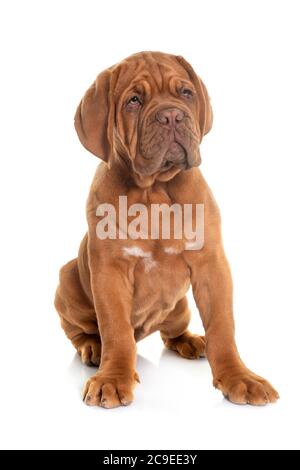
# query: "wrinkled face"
151,110
157,119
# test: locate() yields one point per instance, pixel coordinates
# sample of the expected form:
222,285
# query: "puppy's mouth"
176,155
166,166
167,154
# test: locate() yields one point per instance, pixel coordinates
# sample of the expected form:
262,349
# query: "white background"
247,53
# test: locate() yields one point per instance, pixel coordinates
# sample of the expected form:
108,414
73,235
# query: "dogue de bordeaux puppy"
145,118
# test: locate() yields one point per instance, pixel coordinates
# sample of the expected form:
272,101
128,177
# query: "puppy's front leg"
212,288
116,378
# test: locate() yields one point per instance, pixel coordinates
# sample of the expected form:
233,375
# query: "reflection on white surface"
175,406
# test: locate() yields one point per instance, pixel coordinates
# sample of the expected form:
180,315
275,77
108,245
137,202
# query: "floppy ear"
94,118
206,113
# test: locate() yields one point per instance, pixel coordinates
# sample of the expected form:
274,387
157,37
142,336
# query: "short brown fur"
108,300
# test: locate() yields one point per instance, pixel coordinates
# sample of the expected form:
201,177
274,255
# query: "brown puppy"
145,117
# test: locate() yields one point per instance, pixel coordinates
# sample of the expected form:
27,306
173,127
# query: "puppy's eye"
134,102
186,92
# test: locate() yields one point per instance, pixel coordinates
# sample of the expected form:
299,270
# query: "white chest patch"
170,250
148,261
149,264
136,251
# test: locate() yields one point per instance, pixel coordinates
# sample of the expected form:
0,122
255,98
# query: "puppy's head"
151,110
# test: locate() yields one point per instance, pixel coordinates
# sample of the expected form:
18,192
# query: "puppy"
145,118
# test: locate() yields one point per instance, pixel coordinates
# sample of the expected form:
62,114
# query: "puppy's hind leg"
88,346
77,315
177,337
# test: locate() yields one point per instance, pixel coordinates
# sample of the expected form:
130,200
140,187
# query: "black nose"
169,117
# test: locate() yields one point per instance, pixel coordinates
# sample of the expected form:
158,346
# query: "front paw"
110,390
244,387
